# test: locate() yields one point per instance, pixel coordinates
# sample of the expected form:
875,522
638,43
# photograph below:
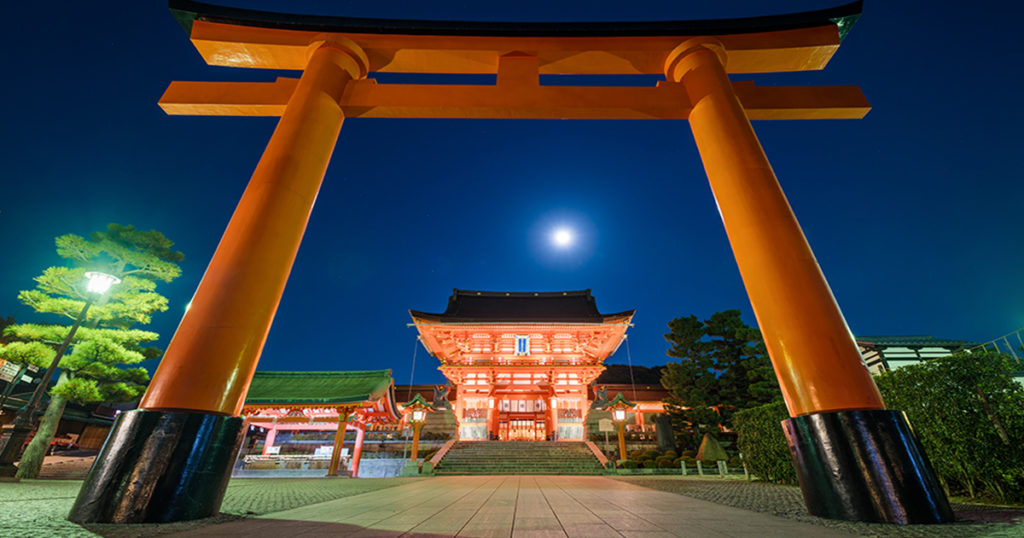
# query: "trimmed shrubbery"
968,413
763,444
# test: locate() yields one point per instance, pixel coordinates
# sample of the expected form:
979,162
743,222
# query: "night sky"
914,213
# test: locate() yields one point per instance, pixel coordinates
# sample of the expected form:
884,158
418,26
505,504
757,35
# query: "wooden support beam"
366,98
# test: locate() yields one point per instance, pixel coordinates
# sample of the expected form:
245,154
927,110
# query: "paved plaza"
518,507
485,506
548,506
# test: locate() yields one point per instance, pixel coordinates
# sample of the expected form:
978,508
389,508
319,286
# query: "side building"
520,363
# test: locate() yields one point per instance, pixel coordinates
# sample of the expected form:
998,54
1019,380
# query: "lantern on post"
618,407
416,414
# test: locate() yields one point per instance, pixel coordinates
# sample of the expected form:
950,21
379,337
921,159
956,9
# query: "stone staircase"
518,457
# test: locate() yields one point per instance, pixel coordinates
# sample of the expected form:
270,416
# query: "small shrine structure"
521,362
322,401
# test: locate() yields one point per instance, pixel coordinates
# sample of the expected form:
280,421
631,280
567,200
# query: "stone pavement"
517,507
507,506
37,508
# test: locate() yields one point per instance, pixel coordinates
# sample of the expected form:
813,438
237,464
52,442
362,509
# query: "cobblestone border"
976,521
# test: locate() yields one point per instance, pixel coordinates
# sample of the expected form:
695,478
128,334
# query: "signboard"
8,370
274,450
605,425
327,450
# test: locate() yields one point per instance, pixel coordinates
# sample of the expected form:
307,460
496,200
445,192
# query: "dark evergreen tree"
723,367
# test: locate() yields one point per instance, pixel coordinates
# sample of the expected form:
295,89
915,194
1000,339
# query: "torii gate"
855,459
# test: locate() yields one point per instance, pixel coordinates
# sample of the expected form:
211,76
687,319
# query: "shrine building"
521,362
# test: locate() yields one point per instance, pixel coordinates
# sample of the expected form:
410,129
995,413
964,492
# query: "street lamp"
618,407
22,426
417,415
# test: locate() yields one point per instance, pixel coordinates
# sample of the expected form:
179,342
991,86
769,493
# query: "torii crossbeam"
855,459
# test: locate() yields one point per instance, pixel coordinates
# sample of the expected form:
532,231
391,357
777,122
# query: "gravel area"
37,508
976,521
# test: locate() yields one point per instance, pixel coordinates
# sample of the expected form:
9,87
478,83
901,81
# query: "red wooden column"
269,442
492,415
339,441
357,452
212,357
815,356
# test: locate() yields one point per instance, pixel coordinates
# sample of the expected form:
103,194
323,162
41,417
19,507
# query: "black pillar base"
864,466
160,466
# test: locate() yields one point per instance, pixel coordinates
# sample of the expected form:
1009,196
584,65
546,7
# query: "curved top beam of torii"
518,53
247,38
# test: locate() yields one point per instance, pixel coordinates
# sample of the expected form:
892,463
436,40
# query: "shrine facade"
521,362
323,402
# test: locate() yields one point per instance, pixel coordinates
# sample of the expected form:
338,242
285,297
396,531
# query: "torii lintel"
518,53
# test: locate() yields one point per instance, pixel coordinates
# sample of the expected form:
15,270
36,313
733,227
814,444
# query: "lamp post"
417,415
22,426
618,407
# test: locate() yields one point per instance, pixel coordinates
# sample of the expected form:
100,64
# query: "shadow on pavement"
252,528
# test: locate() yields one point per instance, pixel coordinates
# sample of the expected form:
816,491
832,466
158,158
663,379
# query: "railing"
1005,344
1011,344
297,462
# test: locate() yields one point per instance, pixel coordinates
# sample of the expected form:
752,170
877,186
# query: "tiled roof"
466,306
912,341
318,387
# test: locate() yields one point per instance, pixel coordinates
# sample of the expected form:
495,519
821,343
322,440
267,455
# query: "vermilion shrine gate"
856,460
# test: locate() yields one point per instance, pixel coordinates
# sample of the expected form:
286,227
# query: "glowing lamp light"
100,282
620,415
418,416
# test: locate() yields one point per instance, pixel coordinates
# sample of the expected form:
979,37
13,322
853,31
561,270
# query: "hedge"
763,444
968,413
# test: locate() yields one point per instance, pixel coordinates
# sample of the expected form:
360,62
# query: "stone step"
519,457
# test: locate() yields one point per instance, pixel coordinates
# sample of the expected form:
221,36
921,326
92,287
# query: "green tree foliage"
762,442
91,371
723,367
968,413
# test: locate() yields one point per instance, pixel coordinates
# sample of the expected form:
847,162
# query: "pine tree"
91,372
724,367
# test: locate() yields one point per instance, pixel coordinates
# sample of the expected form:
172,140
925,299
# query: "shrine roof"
310,388
466,306
187,11
637,393
912,341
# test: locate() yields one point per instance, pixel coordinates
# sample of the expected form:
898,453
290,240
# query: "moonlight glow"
563,237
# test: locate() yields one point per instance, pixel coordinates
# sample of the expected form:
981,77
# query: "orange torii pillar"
190,412
855,459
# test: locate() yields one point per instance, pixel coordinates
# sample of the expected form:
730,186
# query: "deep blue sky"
914,212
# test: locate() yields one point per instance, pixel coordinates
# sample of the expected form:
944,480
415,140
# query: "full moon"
563,237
